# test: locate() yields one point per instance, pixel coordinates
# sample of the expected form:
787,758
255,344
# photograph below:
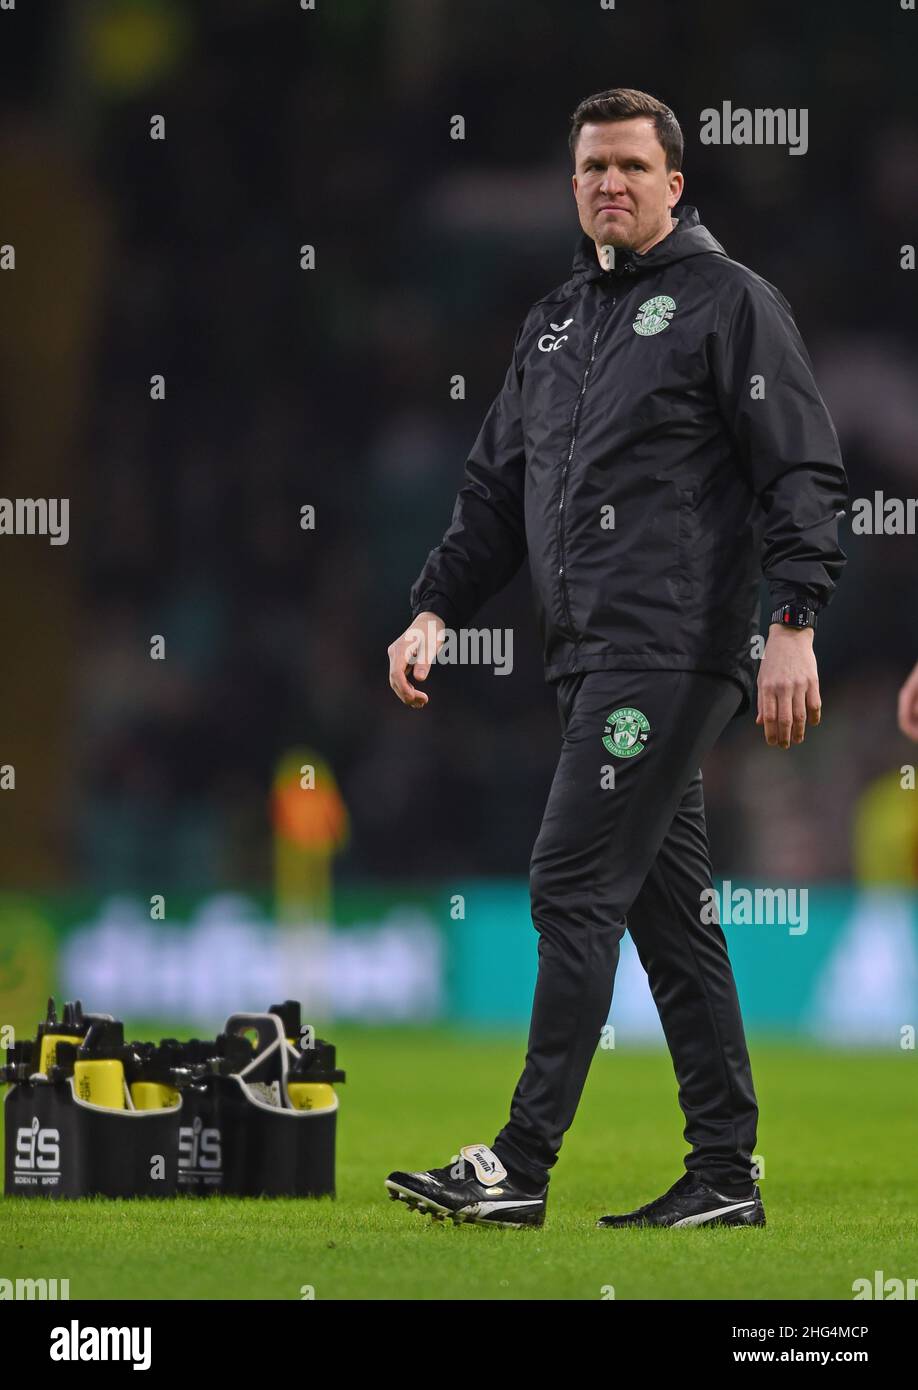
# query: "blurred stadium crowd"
330,387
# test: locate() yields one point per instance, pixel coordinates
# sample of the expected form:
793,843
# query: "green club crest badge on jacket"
654,315
627,731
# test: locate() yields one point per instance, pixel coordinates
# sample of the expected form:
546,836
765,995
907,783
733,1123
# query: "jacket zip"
565,597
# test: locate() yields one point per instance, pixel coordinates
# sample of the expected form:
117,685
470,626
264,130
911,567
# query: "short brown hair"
623,104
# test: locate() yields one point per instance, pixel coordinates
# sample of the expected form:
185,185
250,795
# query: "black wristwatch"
796,615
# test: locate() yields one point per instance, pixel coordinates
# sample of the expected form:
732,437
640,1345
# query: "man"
658,444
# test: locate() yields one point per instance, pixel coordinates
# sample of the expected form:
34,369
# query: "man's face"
623,190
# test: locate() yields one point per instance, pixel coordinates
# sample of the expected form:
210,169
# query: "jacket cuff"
436,603
787,594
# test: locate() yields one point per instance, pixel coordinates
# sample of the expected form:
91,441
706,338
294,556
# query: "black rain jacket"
658,444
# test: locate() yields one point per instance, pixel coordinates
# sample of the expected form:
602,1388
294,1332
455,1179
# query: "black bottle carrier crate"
222,1137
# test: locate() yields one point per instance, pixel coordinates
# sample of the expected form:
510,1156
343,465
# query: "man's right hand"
414,651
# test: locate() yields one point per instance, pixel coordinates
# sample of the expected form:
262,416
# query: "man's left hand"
788,686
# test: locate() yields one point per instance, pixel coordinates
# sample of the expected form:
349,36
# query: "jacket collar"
688,238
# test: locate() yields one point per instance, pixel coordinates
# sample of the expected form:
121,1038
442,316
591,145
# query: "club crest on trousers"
626,733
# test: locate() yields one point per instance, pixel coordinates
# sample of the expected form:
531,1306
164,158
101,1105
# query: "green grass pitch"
838,1133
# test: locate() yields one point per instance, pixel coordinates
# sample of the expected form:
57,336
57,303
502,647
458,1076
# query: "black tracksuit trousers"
634,855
